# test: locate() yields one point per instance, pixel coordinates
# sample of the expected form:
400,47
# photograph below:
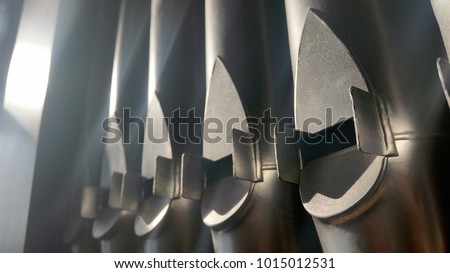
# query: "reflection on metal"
373,131
164,183
222,101
113,158
248,73
441,10
114,225
156,138
83,46
21,118
231,205
169,220
125,192
443,67
331,186
321,53
219,209
31,59
174,205
78,232
324,126
90,202
10,13
177,188
287,154
246,157
192,176
364,196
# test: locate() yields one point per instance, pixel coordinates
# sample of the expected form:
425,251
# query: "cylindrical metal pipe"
114,225
172,223
249,76
393,47
85,173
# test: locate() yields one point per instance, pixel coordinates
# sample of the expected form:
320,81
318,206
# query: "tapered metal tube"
374,65
96,45
442,12
169,221
249,75
22,114
114,225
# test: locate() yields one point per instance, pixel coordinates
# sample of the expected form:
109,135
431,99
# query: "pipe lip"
334,184
151,213
108,220
326,69
225,200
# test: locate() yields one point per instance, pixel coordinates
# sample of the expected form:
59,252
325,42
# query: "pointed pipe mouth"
177,68
253,50
397,63
128,89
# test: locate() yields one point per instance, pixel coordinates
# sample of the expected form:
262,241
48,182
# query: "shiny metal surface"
402,215
274,209
114,225
443,67
384,203
221,102
218,208
169,220
248,72
236,126
20,120
10,12
172,225
84,179
324,198
322,53
442,11
172,213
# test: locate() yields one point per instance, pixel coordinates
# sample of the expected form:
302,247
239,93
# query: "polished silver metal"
381,192
10,12
441,9
248,72
78,233
246,157
20,117
169,219
121,173
87,196
172,213
443,67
